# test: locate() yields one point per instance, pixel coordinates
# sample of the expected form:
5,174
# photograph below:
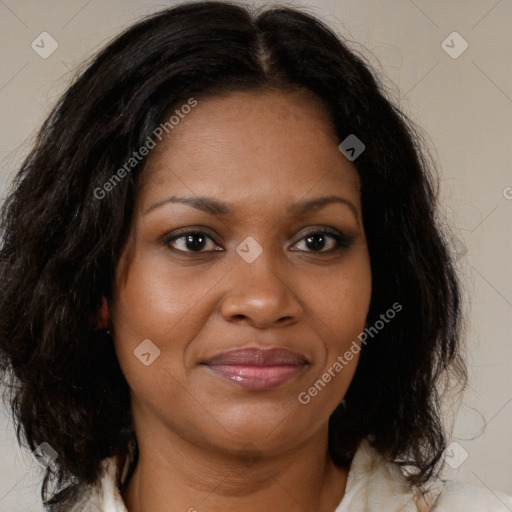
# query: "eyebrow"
215,207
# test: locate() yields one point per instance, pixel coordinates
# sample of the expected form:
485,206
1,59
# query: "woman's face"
257,276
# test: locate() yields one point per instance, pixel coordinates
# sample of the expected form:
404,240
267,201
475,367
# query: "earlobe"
103,314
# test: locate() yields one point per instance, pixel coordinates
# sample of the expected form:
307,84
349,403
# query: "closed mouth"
257,369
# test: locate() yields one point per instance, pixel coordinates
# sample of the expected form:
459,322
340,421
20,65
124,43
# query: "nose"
261,294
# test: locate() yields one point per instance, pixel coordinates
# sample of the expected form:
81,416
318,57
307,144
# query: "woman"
223,285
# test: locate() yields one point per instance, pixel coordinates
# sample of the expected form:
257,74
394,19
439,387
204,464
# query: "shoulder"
460,496
375,483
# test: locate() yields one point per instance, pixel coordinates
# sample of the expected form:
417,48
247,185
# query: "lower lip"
257,378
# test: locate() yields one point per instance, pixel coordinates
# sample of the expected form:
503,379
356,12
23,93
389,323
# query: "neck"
181,476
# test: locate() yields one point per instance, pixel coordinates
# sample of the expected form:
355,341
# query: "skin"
205,443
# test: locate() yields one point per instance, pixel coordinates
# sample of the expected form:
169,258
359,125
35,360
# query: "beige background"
464,104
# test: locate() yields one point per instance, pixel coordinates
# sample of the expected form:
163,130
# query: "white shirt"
373,485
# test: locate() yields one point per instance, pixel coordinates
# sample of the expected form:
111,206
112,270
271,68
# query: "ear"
103,314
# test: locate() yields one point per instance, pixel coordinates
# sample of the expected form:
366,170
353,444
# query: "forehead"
250,144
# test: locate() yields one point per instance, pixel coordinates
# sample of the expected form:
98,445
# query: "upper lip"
258,357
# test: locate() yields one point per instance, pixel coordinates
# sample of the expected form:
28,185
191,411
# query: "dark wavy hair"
60,244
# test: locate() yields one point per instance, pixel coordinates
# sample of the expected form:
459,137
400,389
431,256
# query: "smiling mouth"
257,369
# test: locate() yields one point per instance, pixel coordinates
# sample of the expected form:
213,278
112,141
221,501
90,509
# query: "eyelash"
343,242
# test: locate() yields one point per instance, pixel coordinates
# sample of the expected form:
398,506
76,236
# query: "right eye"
189,242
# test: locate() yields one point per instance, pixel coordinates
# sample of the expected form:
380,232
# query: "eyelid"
185,231
317,229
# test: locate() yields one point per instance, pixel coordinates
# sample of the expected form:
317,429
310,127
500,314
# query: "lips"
257,369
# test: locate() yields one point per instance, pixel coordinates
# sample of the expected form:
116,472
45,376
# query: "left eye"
318,238
195,241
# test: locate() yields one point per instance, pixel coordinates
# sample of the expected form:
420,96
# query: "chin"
267,430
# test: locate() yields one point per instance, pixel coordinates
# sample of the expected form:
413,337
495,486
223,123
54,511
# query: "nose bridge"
258,268
258,286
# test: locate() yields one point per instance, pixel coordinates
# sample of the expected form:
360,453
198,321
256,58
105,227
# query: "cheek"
143,316
341,299
340,303
350,304
155,298
167,305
